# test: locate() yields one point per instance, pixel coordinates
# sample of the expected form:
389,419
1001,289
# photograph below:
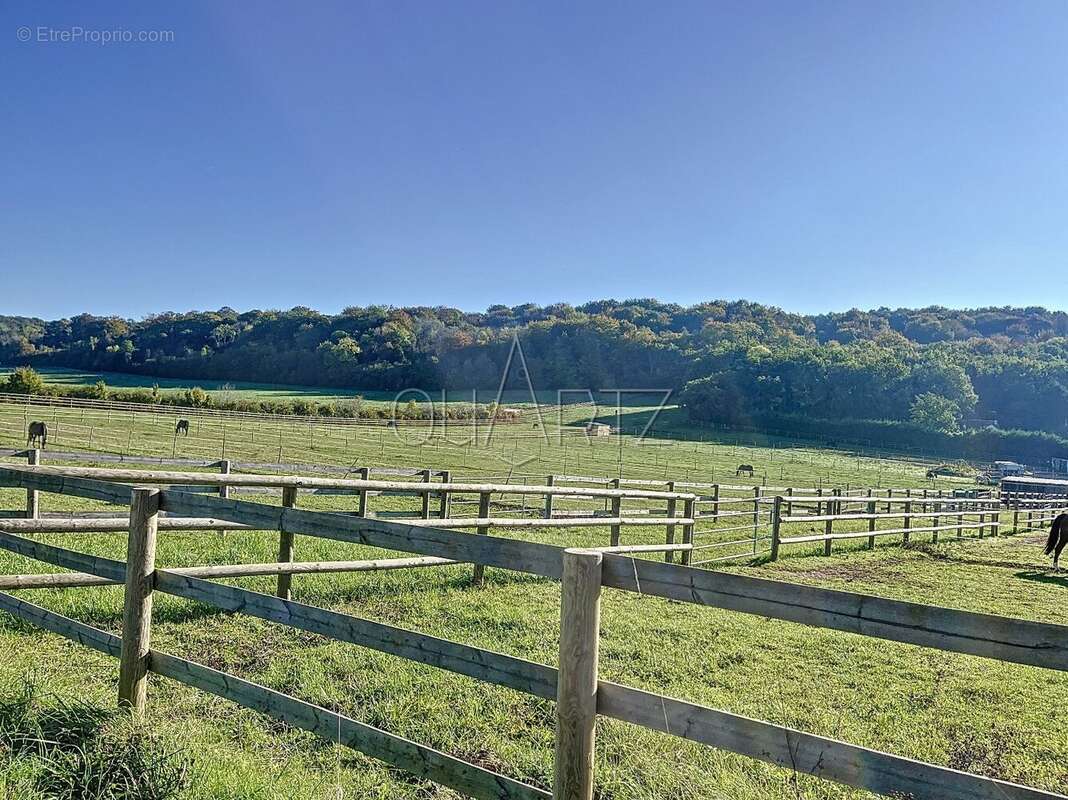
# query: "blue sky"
812,155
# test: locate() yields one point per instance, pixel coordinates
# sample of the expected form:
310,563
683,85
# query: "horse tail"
1055,531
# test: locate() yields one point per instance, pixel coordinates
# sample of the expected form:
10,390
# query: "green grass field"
507,450
234,390
997,719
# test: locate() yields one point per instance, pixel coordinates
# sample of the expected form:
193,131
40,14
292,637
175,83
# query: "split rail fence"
704,523
907,515
574,684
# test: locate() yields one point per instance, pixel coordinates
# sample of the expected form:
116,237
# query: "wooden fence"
726,522
908,515
579,694
438,514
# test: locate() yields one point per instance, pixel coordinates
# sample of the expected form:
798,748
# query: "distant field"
556,446
273,391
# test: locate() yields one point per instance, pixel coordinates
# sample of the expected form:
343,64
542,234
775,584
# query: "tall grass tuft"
75,750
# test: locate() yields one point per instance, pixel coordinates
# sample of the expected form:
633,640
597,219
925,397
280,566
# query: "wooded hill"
731,362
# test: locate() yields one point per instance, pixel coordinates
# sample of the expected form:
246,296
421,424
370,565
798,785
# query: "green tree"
25,380
936,413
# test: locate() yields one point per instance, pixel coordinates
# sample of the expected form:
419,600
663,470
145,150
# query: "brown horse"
37,431
1058,538
182,427
744,468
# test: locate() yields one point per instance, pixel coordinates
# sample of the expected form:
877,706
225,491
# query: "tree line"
735,362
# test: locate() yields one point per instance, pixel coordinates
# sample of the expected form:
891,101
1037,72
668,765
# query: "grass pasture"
247,390
970,713
505,450
974,714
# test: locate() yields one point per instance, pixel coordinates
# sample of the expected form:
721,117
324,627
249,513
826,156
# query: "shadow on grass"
1045,576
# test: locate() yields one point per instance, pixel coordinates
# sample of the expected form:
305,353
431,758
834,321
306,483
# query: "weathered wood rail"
719,522
936,514
574,684
428,515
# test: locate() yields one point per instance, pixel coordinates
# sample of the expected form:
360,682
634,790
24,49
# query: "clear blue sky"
812,155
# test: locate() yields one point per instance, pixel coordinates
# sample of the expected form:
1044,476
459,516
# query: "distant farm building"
598,429
1028,485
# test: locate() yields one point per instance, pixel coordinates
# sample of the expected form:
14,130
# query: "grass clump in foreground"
71,749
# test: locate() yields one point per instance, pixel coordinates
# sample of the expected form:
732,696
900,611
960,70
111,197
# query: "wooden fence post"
757,492
776,526
689,510
616,511
982,522
1015,513
445,507
832,508
908,522
285,545
33,497
872,521
789,503
669,537
137,606
364,474
425,510
549,481
576,688
960,520
715,503
224,469
937,523
479,575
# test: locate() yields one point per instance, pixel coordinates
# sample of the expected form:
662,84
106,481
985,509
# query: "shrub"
25,380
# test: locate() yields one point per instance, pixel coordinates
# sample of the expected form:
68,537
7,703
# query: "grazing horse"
37,430
1058,538
744,468
182,427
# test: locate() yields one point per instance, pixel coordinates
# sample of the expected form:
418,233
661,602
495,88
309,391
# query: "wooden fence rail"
964,514
717,512
575,686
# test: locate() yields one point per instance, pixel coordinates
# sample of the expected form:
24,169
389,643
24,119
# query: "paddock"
580,695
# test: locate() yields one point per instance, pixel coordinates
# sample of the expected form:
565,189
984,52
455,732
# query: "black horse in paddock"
37,431
744,468
182,427
1058,538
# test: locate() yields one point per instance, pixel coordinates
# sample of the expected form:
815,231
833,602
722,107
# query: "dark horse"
37,430
1058,538
182,427
746,468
